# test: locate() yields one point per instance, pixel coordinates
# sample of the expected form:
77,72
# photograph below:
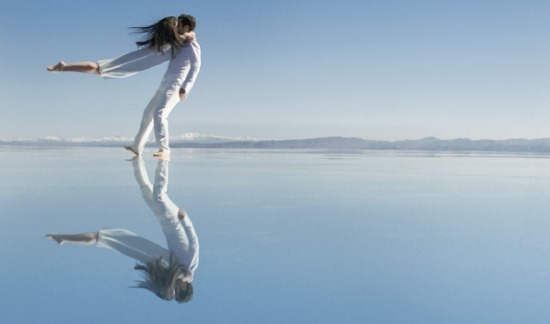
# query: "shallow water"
285,236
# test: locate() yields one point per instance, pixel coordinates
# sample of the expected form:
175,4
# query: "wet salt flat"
285,236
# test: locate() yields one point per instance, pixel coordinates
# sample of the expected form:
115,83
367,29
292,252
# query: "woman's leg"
84,238
82,67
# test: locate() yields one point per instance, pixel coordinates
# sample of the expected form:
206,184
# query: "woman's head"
160,277
162,33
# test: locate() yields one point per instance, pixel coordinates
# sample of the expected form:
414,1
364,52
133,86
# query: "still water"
285,236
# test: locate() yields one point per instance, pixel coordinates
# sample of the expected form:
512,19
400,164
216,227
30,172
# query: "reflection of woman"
167,272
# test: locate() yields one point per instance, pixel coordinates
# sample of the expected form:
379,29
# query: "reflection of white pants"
156,116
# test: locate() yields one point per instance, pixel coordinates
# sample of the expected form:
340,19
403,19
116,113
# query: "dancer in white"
171,39
169,272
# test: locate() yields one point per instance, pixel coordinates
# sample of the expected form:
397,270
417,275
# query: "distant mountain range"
347,143
193,140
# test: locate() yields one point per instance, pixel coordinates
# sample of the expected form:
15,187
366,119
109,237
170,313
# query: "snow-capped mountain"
208,138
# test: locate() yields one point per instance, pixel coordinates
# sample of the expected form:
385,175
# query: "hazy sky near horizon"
393,69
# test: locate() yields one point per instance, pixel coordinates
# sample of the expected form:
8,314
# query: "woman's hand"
189,36
181,214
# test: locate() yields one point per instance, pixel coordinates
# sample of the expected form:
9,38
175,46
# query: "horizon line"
197,137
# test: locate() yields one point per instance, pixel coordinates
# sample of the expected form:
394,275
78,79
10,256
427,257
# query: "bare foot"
162,154
55,237
56,68
131,149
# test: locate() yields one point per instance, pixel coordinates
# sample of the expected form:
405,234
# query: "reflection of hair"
188,20
158,277
164,32
184,295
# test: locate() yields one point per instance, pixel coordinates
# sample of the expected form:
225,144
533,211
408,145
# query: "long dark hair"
158,277
162,33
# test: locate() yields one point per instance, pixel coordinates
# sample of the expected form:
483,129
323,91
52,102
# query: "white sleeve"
193,252
195,62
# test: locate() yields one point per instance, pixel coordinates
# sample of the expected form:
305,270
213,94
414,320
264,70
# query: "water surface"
285,236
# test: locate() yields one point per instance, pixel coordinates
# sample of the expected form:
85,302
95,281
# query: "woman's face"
169,294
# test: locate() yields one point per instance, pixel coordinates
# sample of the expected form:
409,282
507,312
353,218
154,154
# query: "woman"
161,37
158,266
169,34
162,274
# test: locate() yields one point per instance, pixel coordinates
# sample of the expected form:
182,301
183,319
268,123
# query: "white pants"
155,117
131,63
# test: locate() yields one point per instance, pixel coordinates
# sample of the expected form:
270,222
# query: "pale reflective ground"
285,237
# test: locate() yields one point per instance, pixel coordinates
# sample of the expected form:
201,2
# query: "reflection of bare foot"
162,154
131,149
55,237
56,68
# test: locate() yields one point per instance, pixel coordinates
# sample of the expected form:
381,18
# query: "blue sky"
288,69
